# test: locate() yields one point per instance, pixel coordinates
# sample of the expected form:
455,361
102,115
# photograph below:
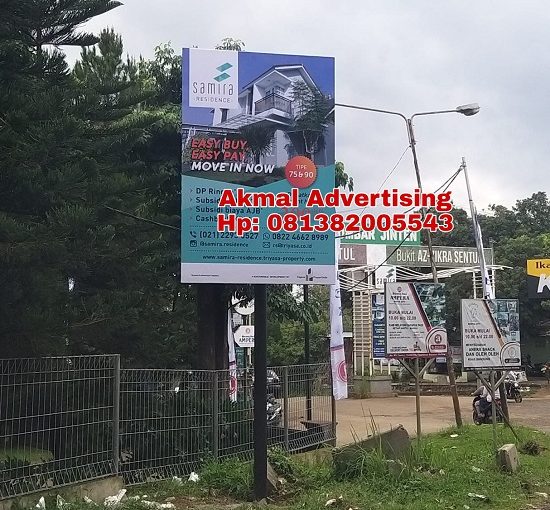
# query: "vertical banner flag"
490,334
488,291
232,359
337,352
415,320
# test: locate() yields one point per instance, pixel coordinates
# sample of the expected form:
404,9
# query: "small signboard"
490,334
378,327
352,255
244,336
415,320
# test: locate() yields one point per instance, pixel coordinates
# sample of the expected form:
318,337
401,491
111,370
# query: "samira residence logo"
222,69
216,87
213,79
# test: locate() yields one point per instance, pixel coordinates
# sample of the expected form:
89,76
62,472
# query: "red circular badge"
301,172
342,372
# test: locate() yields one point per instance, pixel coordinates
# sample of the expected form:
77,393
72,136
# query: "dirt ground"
354,416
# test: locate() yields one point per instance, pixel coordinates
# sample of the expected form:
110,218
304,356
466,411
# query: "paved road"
354,416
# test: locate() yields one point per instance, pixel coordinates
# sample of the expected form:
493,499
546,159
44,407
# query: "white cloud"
400,55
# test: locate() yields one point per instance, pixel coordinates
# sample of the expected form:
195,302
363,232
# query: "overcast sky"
407,56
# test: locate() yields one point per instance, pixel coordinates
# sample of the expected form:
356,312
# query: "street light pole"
467,110
419,183
449,356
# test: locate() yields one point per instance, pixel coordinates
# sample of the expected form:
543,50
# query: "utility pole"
448,357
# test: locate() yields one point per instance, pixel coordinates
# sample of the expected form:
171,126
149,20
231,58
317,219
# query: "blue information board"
378,327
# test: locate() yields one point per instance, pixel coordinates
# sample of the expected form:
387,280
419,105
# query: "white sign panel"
213,78
244,336
490,334
383,275
415,320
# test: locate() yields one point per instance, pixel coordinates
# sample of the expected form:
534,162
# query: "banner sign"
244,336
415,320
378,327
352,255
490,334
444,256
538,278
241,118
337,349
232,359
390,238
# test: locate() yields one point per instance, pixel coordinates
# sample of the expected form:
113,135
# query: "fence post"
116,413
285,408
215,415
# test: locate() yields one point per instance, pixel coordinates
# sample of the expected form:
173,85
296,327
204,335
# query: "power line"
445,185
381,185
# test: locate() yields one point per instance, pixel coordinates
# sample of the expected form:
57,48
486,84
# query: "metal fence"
72,419
56,421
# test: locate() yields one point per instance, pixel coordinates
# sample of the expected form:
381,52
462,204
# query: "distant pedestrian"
546,370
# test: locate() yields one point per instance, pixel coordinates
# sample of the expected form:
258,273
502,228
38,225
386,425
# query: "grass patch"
31,455
440,473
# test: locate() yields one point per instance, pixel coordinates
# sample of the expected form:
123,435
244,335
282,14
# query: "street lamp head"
468,109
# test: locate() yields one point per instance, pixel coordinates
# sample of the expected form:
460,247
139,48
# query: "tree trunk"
212,322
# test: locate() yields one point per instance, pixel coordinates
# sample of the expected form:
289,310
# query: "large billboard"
490,334
255,122
415,320
538,278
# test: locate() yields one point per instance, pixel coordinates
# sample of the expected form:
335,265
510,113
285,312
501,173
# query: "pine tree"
41,169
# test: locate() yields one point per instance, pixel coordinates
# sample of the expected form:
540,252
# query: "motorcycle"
488,418
274,412
513,391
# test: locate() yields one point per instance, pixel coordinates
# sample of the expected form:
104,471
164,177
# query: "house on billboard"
271,101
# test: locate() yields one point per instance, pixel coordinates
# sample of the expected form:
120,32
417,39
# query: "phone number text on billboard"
337,222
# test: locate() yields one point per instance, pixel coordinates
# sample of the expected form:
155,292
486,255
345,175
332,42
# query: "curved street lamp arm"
433,113
371,110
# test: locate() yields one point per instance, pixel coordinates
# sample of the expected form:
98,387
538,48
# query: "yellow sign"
537,267
538,278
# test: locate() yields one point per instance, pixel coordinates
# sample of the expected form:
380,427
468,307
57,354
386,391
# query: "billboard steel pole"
307,357
260,392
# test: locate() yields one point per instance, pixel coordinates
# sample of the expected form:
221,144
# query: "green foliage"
258,140
231,477
313,114
342,179
231,44
517,234
79,147
441,472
